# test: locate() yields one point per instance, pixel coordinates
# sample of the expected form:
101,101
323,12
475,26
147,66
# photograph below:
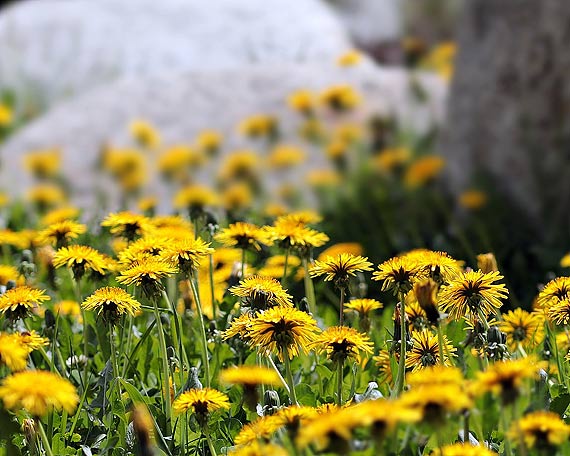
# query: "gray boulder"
52,48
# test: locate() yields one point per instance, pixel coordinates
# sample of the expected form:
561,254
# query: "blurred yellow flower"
43,163
6,115
343,247
340,97
423,171
473,199
286,156
195,198
60,214
350,58
303,101
259,125
46,195
145,134
389,160
209,141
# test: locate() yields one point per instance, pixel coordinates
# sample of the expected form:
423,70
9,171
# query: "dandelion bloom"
112,302
60,214
439,266
340,97
463,449
60,233
32,340
147,246
127,224
436,402
13,352
349,58
80,259
243,236
383,361
553,292
20,301
259,125
283,330
144,134
522,327
187,253
353,248
303,101
250,376
398,274
506,378
147,273
7,273
487,262
383,415
209,141
195,198
258,449
436,375
285,156
202,402
363,306
260,429
423,171
291,233
472,293
46,195
239,327
260,293
296,415
542,430
43,163
335,426
38,392
425,350
341,342
472,199
340,268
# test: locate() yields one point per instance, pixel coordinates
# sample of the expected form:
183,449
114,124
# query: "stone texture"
181,106
371,22
52,48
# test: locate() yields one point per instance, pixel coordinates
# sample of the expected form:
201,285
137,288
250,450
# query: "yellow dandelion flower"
237,196
340,97
68,307
553,292
398,274
342,342
60,214
195,198
259,125
487,262
147,204
425,350
147,273
176,161
59,234
384,415
261,429
128,225
435,402
112,303
323,178
344,247
43,163
7,273
143,247
463,449
80,259
522,327
472,199
333,426
239,327
209,141
436,375
506,378
46,195
302,101
250,376
565,261
363,306
349,58
32,340
289,233
187,254
261,293
275,264
258,449
38,392
472,293
285,156
542,430
439,266
18,302
144,133
175,222
389,160
202,402
243,236
283,330
423,171
13,353
415,315
6,115
340,268
240,165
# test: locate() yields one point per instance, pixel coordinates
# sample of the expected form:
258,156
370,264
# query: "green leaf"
560,404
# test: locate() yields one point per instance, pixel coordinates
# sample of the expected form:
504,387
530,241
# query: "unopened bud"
487,262
425,294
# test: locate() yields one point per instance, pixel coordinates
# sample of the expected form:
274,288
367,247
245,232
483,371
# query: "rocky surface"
53,48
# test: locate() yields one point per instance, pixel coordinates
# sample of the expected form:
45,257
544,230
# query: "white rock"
181,106
371,22
51,48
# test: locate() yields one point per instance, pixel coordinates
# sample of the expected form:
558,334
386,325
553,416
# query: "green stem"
283,382
177,332
209,439
339,381
211,274
401,377
289,375
114,363
45,441
309,288
165,369
504,419
440,343
202,331
552,338
341,307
